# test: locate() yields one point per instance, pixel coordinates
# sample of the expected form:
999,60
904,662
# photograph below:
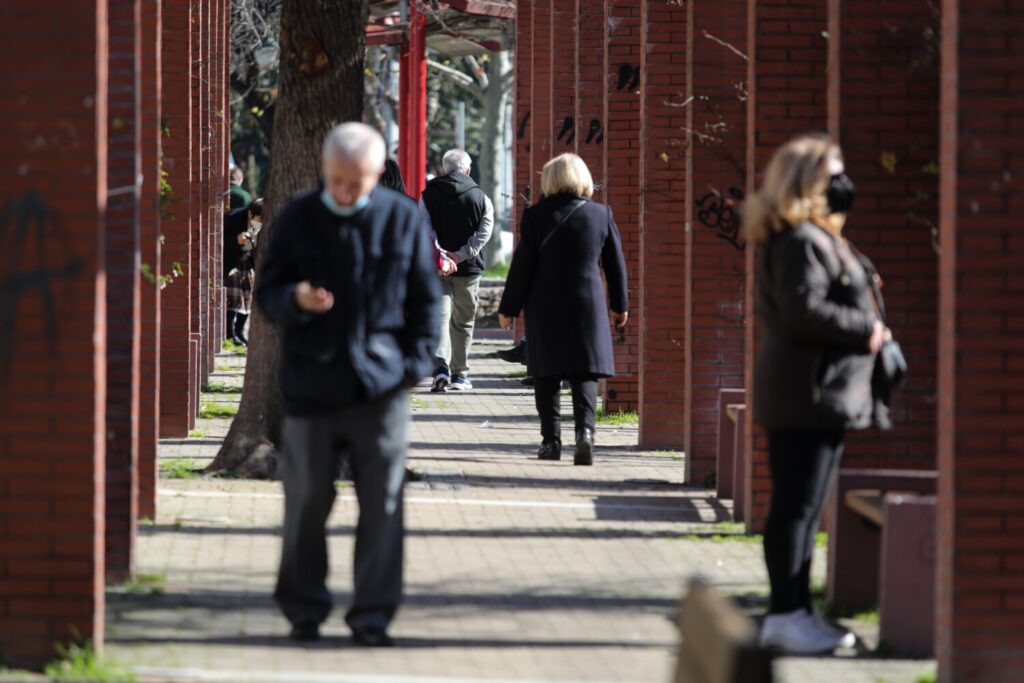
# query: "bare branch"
726,45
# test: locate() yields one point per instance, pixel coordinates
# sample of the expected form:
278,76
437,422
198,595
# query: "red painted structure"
412,120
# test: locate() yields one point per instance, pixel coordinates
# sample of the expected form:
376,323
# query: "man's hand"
242,238
505,322
877,336
620,319
313,299
448,266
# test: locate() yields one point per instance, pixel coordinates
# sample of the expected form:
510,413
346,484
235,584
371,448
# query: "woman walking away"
817,302
565,240
391,178
241,228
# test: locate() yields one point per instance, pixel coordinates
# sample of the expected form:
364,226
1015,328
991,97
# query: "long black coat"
814,301
559,285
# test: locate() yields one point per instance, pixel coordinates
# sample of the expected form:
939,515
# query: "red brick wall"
200,190
716,276
523,110
123,290
176,372
149,229
542,92
53,352
787,96
663,212
980,609
622,193
564,56
884,112
591,94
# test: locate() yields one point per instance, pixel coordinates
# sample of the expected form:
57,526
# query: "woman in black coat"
819,306
565,240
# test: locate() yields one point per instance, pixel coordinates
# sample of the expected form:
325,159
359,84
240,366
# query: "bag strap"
561,222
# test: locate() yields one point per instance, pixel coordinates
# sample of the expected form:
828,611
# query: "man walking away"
460,217
349,277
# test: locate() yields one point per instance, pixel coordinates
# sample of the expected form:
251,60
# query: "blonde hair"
566,173
793,189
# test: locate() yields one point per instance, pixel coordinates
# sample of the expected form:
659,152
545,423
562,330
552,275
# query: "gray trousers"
374,435
459,297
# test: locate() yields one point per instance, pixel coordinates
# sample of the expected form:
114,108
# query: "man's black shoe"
372,639
517,354
550,450
305,633
584,448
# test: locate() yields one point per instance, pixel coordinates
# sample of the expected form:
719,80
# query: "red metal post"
412,119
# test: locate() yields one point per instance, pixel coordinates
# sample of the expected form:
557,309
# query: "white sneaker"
844,639
795,633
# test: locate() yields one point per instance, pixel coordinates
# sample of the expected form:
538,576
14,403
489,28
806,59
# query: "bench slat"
868,503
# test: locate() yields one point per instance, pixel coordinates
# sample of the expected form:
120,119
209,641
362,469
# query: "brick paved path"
517,570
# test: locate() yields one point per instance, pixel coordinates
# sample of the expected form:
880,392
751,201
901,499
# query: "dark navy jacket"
383,328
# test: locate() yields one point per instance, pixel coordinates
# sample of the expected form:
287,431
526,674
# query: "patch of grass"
179,468
196,433
518,374
668,453
225,367
237,349
221,388
216,410
618,418
926,678
725,532
498,271
146,521
82,663
145,584
821,539
870,616
227,474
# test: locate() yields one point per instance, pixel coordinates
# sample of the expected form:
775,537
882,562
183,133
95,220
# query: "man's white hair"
355,142
456,160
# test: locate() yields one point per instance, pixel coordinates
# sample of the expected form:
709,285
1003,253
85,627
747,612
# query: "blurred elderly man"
460,217
350,280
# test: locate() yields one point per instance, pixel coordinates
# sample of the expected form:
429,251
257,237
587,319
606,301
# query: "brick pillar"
786,82
176,386
980,590
542,92
591,93
523,111
564,55
663,206
53,194
219,182
622,192
716,277
201,194
149,232
123,288
884,110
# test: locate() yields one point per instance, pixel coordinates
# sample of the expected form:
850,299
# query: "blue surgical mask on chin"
343,211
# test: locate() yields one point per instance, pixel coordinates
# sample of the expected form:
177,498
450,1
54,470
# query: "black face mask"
840,193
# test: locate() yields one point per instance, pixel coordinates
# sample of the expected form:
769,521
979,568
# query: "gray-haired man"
460,217
350,277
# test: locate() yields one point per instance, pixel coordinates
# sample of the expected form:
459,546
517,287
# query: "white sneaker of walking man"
460,217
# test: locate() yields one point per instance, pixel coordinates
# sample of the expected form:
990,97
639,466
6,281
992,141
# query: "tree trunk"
492,145
321,85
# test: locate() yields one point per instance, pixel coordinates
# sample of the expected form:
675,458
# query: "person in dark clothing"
812,381
460,217
241,228
238,197
565,240
349,279
391,178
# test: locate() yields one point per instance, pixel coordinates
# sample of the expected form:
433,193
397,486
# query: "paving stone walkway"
517,569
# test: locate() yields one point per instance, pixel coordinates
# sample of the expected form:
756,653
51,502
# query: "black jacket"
813,299
383,328
559,285
235,223
456,205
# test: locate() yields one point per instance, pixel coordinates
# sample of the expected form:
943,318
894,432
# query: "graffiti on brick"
718,213
595,131
629,77
26,220
568,130
522,126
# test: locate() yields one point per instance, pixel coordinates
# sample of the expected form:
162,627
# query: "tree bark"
492,153
321,85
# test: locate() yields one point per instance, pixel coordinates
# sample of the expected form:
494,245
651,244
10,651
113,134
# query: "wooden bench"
719,642
726,451
882,552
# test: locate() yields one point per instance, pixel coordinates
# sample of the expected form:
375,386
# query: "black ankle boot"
550,450
239,330
229,326
584,447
